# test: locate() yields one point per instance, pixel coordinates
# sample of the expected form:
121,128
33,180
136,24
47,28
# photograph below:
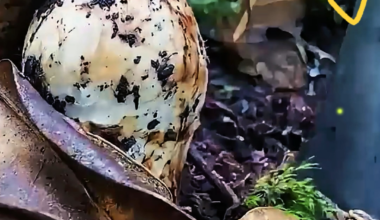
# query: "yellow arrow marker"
345,16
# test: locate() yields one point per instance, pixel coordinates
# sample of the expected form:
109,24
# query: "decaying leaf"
8,212
279,14
267,213
278,62
255,17
321,54
32,176
258,15
86,181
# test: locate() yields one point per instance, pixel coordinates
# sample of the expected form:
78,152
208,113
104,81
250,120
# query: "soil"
247,128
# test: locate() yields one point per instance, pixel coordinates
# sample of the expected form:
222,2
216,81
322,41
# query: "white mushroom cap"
140,65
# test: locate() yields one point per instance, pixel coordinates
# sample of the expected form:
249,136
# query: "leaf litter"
247,128
251,121
260,108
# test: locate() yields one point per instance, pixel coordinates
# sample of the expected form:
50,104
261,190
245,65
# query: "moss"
282,189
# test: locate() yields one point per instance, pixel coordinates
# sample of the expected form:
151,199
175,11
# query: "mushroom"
132,72
267,213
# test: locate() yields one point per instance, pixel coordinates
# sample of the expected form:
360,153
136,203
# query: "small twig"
227,194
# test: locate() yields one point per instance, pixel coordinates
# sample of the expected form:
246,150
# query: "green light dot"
339,111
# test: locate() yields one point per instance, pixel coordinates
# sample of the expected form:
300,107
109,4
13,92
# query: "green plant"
208,11
281,189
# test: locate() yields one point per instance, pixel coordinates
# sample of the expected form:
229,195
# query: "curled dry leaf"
267,213
29,169
86,181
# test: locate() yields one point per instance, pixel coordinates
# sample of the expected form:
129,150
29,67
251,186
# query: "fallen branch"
227,194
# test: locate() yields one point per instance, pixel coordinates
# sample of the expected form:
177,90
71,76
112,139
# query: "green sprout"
281,189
